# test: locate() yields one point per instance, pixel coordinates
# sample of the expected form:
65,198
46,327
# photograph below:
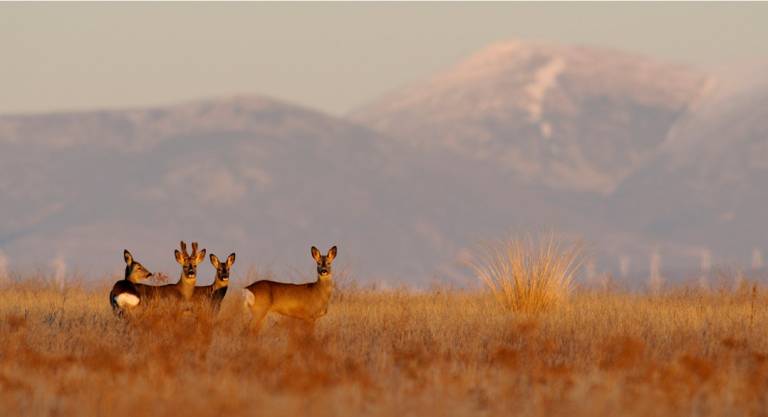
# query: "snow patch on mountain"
544,79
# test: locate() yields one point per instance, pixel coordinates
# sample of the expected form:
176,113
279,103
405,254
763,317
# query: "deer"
125,295
183,289
307,302
213,294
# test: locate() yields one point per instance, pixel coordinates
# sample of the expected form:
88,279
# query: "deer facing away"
124,294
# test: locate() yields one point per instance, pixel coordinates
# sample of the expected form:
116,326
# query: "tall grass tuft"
529,275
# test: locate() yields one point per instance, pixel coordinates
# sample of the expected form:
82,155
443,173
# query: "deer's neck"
186,286
324,285
129,275
219,284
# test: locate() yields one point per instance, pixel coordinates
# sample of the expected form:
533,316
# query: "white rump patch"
249,298
127,300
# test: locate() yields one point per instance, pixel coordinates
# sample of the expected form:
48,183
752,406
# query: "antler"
194,249
184,248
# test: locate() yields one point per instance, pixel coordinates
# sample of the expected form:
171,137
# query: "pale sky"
332,57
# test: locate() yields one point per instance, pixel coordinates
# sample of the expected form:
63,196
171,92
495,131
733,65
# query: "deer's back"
159,292
123,287
306,301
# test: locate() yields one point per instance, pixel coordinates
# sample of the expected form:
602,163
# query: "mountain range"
637,157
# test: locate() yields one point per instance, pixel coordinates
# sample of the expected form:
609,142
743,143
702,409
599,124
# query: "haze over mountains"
634,155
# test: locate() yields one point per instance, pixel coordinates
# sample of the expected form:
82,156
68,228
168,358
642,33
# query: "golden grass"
529,275
443,353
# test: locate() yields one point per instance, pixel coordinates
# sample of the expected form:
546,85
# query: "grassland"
682,352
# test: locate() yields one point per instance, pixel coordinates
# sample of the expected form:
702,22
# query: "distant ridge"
638,157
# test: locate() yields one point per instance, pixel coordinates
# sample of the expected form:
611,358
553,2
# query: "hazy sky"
329,56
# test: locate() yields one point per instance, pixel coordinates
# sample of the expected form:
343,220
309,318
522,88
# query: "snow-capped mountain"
570,118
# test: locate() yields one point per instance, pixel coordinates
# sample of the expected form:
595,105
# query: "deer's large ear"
315,254
200,256
332,253
179,257
127,256
215,261
230,260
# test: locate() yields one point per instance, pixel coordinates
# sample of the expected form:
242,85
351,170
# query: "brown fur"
307,302
184,288
212,295
134,272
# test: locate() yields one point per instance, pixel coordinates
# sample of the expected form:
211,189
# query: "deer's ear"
215,261
315,254
200,256
332,253
127,256
179,257
230,260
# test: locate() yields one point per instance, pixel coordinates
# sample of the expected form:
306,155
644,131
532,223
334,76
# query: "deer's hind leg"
258,306
257,319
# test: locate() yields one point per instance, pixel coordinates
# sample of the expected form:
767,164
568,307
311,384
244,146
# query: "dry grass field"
442,353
